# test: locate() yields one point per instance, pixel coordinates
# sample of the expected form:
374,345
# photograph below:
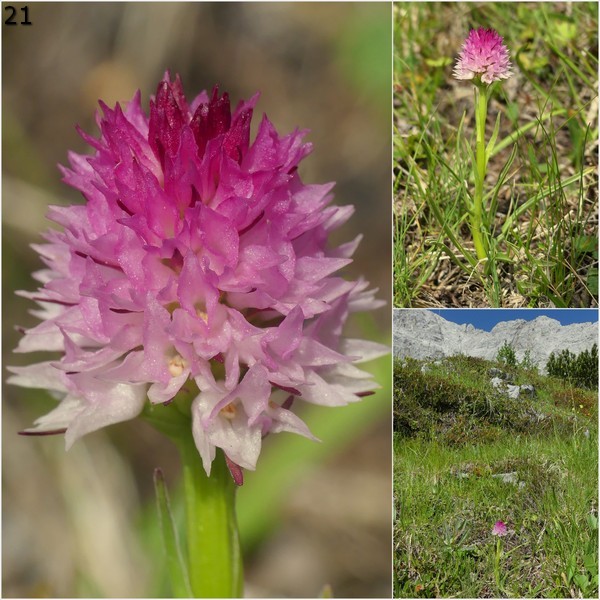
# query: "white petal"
367,350
41,341
205,448
238,440
59,418
286,420
112,404
40,375
323,393
163,392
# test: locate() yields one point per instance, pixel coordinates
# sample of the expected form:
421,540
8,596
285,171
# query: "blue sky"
484,318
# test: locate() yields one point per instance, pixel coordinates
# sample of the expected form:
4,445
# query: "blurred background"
83,523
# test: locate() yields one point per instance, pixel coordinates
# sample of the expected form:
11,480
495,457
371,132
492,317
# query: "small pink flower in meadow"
499,529
484,56
199,262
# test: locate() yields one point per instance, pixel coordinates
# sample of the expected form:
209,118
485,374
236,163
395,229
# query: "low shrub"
580,370
454,402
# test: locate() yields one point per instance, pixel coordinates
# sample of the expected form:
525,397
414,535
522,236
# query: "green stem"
215,565
213,557
497,565
480,167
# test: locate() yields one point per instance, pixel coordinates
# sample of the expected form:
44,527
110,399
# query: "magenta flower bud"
199,262
499,529
483,56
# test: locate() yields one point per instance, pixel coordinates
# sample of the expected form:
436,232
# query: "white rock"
497,382
513,391
511,477
528,390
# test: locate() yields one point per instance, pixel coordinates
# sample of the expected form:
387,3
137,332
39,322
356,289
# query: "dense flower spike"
484,56
199,263
499,529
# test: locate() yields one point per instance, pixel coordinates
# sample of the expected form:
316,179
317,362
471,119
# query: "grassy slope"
457,434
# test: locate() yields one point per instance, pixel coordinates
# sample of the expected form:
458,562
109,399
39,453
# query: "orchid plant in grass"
484,60
499,530
196,288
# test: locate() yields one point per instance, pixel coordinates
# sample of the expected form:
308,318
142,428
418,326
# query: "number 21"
11,19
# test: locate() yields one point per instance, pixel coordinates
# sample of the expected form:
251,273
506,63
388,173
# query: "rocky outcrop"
423,334
513,391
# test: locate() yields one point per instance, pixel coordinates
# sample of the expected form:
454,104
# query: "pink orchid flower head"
499,529
199,264
483,57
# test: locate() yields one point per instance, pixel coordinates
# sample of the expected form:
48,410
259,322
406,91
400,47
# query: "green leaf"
592,281
533,62
585,244
590,563
571,567
473,162
501,179
442,61
472,259
592,521
566,31
490,89
581,581
176,567
453,238
492,142
578,141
